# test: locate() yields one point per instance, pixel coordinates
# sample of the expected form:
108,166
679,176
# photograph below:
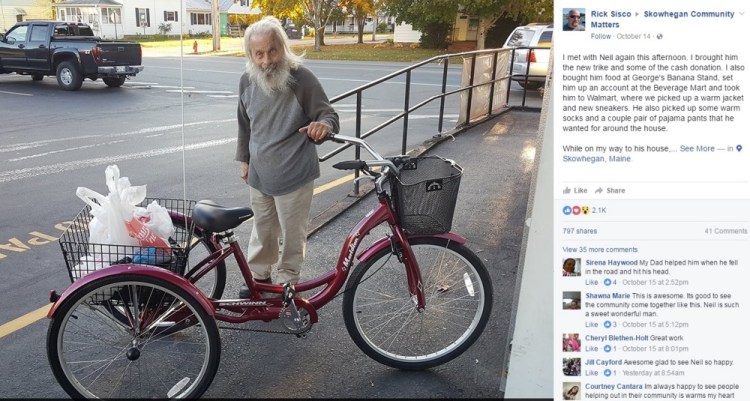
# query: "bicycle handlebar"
379,161
388,164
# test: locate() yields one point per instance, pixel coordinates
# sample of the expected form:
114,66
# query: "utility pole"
2,15
215,25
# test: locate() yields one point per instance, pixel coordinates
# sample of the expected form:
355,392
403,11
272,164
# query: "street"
172,128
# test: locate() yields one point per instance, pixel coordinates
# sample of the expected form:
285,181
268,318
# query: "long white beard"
275,79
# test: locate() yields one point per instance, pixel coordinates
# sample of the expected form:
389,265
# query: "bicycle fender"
386,242
143,270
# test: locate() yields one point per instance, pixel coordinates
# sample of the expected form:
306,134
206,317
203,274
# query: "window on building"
245,3
170,16
200,18
71,14
111,15
143,16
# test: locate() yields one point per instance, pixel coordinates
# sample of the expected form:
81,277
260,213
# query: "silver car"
536,60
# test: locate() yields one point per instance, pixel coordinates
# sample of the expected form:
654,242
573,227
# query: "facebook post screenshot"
652,200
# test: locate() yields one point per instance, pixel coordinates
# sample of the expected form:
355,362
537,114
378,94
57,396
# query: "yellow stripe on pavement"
326,187
25,320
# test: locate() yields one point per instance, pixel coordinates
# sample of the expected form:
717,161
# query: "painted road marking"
25,320
16,93
19,174
21,146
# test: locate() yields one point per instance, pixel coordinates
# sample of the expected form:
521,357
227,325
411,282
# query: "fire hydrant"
195,46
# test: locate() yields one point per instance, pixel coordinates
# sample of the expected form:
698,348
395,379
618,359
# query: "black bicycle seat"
210,216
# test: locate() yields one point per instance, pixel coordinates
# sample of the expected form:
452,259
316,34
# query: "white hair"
270,25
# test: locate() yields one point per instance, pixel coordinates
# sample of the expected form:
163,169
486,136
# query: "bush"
165,28
435,36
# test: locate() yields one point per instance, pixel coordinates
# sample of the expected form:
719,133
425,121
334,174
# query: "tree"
425,13
432,17
312,12
319,11
360,9
489,11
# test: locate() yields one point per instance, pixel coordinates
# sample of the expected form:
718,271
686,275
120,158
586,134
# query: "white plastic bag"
107,225
114,219
156,218
87,265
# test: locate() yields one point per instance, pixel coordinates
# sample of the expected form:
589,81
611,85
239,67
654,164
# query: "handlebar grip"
332,137
350,165
329,137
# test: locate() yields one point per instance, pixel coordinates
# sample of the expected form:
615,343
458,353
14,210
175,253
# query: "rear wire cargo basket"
82,257
424,194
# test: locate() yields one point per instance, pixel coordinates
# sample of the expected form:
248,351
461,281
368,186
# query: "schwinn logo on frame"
244,303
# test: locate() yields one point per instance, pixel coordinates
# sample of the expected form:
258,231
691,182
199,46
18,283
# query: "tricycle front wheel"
382,317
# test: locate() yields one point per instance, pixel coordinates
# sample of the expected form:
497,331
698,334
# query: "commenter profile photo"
571,267
571,391
574,19
571,300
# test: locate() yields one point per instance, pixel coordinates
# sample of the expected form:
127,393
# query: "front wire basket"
82,257
425,193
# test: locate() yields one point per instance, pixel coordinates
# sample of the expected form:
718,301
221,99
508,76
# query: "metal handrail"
407,109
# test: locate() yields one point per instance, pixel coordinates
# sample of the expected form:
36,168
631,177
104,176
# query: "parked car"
69,51
537,60
292,32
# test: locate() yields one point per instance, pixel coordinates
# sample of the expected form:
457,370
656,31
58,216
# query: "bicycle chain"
276,321
266,331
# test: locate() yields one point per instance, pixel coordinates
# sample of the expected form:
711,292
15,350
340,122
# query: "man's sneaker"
245,292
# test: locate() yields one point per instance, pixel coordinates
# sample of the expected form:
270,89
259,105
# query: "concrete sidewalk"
498,157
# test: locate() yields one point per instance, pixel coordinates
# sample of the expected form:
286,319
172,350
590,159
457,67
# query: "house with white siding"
113,19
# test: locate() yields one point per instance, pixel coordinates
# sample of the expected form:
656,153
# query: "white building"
112,19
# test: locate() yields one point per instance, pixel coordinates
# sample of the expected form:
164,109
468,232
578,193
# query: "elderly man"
282,110
574,21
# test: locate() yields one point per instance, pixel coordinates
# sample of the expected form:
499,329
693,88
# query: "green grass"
202,43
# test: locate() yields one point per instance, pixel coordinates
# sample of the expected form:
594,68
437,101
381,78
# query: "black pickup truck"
69,51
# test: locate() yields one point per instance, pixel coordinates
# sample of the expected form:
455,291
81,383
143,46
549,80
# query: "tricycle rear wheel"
93,354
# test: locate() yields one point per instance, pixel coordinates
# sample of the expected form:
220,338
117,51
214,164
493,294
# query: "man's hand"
244,168
316,131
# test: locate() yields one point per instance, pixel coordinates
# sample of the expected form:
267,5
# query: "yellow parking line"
41,313
332,184
25,320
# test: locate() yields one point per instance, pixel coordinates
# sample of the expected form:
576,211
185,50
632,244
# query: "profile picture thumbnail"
571,391
571,300
574,19
571,267
571,366
571,342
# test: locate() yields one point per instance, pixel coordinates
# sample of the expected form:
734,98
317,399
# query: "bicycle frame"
333,280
